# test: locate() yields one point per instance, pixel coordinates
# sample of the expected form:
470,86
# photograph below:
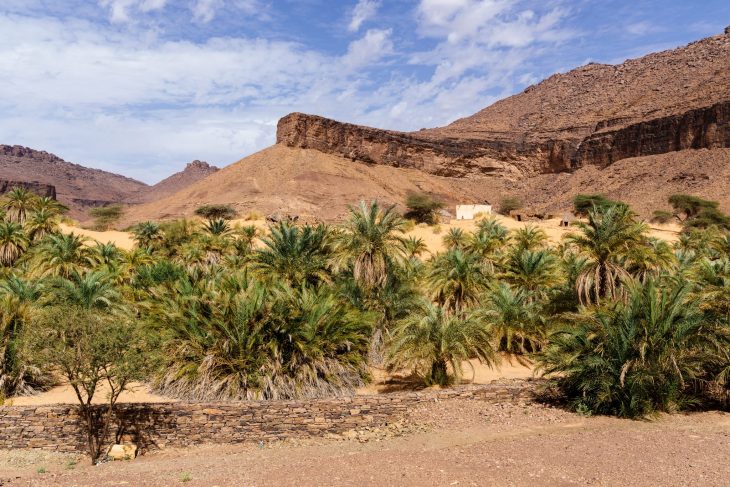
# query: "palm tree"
296,255
432,339
414,247
18,202
63,255
89,290
632,359
651,260
457,279
535,272
513,320
370,241
18,298
530,238
606,239
50,205
218,227
13,242
42,222
147,234
455,239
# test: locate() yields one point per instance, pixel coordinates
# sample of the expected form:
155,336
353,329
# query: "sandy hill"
299,181
77,186
193,172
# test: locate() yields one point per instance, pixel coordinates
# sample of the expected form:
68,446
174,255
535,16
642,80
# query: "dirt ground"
453,442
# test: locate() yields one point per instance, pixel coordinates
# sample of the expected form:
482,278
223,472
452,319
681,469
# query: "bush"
216,212
699,213
422,207
583,203
508,204
662,216
106,216
633,359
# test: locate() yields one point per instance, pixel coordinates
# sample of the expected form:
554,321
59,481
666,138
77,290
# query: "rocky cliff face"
193,172
593,115
46,190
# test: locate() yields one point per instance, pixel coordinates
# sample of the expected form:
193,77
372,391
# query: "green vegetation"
697,213
584,203
106,216
662,216
621,323
509,203
423,208
215,212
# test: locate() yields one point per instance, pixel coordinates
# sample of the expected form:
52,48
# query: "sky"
141,87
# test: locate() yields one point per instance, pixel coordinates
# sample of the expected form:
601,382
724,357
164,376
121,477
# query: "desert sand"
431,235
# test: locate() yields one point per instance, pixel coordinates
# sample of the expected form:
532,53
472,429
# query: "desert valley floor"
453,442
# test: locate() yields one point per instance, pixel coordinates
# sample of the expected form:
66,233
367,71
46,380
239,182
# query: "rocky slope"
306,182
193,172
76,186
594,115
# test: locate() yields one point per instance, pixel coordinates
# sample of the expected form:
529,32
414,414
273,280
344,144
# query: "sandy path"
465,443
122,240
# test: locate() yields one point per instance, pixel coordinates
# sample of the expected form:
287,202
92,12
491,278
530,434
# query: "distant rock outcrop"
45,190
193,172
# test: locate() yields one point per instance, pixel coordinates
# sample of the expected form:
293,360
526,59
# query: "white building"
469,212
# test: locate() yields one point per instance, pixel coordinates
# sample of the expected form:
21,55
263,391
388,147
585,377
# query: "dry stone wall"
155,426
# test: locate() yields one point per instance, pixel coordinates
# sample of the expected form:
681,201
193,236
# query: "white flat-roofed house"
469,212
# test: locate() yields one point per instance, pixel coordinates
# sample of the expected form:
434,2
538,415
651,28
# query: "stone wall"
154,426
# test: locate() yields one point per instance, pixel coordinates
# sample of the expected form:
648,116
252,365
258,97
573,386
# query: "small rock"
122,452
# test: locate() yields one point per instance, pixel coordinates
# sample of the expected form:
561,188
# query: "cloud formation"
363,11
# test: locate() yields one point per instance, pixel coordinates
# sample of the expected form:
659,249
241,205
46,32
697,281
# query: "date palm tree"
18,300
295,255
456,238
535,272
513,319
63,255
530,238
18,203
13,242
457,279
371,242
632,359
433,341
605,240
147,234
42,222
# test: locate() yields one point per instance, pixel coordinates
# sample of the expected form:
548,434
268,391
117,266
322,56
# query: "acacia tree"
90,349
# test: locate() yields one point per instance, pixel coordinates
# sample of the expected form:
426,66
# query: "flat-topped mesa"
707,127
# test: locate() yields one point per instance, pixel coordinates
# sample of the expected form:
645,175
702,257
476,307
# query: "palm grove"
622,323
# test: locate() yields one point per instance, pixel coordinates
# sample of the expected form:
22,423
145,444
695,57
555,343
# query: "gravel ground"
455,442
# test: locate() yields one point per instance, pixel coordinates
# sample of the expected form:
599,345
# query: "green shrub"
583,203
422,207
106,216
215,212
508,204
699,213
662,216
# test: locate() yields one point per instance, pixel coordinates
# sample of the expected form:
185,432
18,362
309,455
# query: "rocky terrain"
193,172
594,115
76,186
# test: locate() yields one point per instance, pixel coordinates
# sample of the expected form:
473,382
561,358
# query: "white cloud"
205,10
135,104
363,11
371,48
119,10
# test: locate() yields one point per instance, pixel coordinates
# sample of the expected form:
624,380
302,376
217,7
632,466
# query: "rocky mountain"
193,172
594,115
79,187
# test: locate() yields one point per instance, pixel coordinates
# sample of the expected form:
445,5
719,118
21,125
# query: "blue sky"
141,87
